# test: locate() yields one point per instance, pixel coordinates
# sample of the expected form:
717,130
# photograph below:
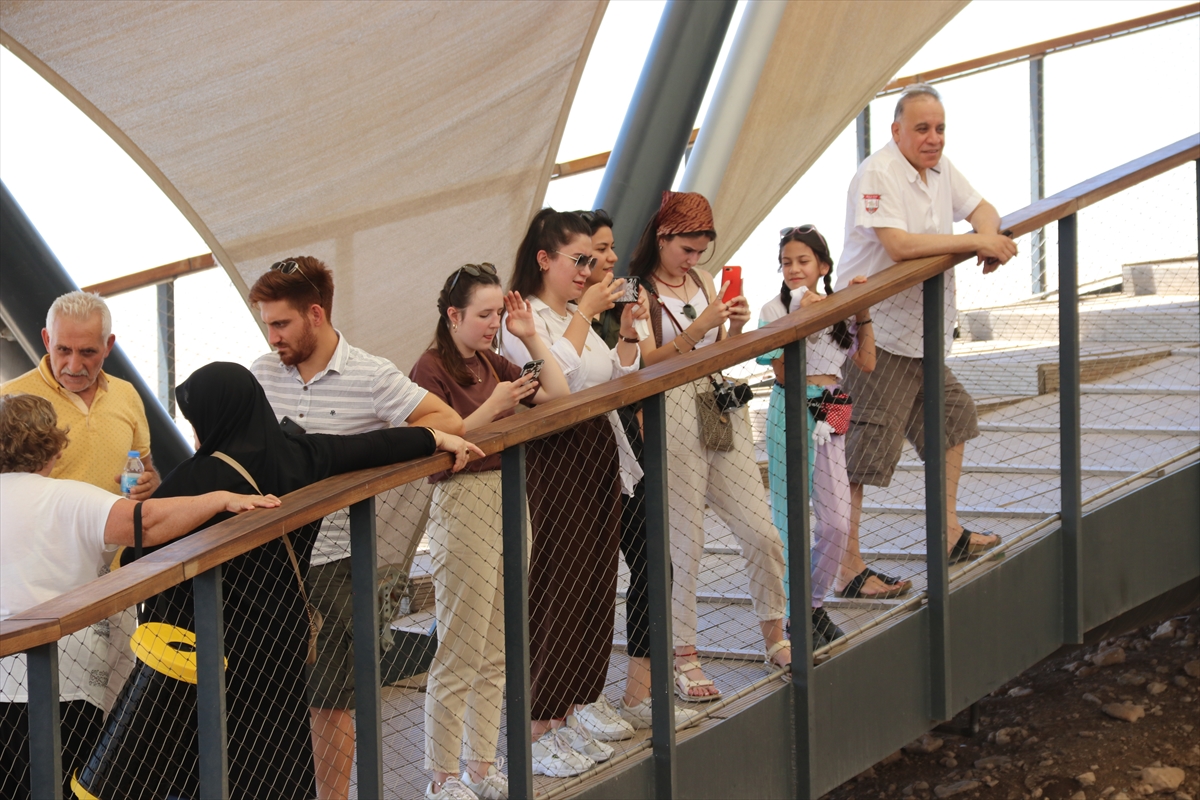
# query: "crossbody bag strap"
287,537
708,300
491,366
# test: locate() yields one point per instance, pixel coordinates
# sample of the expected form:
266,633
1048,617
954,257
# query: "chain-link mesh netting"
440,547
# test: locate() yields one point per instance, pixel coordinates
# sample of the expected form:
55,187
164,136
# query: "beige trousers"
466,679
731,484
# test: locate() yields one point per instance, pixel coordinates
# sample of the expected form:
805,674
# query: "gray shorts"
331,679
889,406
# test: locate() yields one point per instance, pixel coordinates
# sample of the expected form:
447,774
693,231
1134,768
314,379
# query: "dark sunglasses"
590,216
580,261
474,270
290,267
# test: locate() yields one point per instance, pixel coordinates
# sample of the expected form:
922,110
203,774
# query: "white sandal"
684,684
769,664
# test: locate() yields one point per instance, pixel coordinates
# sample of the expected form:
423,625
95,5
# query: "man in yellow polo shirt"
105,414
106,419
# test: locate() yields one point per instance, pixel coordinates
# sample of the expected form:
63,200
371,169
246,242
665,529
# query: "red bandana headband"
684,212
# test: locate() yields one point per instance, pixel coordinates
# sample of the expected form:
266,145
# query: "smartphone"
534,367
290,425
733,277
631,291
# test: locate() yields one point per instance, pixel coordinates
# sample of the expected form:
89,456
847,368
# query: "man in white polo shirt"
903,204
327,386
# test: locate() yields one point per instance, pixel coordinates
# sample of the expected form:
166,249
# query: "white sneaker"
494,785
603,722
640,717
452,789
555,760
575,736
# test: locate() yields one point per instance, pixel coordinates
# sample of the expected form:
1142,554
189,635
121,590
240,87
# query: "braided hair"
809,235
457,292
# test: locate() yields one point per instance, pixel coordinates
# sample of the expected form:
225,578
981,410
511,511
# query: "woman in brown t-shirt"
466,678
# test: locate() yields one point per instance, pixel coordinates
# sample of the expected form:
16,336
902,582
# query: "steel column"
45,726
516,623
1037,168
658,577
731,101
936,557
210,684
165,293
660,117
1070,441
368,712
797,443
862,137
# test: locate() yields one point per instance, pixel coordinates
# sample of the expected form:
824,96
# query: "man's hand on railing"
994,249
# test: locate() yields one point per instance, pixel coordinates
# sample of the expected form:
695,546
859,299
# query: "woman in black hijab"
266,623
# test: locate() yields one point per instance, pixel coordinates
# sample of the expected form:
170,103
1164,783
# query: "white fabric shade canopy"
397,140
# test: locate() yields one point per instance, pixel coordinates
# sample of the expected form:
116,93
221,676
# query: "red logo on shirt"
871,202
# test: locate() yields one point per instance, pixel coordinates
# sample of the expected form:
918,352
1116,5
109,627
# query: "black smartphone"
534,367
290,425
631,291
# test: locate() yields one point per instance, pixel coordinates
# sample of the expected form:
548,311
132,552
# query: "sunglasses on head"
474,270
581,261
802,230
590,216
290,267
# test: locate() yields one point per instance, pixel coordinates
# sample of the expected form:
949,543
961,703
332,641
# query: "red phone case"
732,276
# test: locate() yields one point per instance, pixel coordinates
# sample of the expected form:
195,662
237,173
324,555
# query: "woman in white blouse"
575,479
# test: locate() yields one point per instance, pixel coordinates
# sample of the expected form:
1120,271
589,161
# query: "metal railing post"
516,623
368,712
658,578
936,558
1070,441
800,560
1037,168
210,684
862,137
45,730
166,345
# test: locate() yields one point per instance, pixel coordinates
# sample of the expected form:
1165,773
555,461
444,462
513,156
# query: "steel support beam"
33,278
210,684
1070,424
800,561
660,117
1037,168
862,133
936,557
731,101
368,710
516,622
658,578
165,295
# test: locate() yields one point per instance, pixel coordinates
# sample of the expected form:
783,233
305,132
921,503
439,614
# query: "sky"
1105,104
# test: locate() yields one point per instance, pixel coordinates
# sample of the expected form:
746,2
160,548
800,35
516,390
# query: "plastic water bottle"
133,470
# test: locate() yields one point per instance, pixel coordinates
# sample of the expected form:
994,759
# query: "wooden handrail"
962,69
1018,54
195,554
152,276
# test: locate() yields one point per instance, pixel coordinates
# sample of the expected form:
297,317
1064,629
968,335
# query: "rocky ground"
1117,720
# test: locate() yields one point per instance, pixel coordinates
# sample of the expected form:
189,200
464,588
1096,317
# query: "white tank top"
673,306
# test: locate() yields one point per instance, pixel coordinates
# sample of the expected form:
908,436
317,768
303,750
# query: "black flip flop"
854,588
963,551
888,579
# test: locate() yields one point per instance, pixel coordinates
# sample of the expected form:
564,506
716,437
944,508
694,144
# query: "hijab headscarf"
231,414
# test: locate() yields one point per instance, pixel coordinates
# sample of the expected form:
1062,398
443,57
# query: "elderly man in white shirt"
902,204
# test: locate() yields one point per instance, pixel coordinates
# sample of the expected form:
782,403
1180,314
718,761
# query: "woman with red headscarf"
686,313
